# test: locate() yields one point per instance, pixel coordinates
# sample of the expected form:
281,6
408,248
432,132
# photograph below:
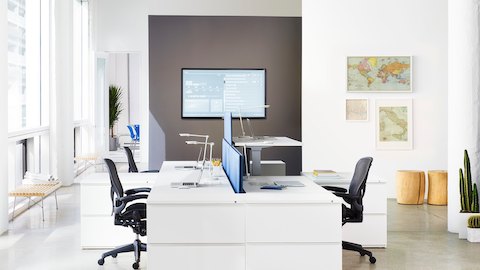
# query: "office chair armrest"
129,198
347,197
336,189
137,190
150,171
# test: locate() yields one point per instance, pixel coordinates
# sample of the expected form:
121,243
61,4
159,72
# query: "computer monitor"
227,127
208,93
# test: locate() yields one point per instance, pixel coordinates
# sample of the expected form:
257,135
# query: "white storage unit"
97,228
211,227
372,232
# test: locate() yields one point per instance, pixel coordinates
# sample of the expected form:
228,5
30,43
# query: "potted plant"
115,108
468,196
473,229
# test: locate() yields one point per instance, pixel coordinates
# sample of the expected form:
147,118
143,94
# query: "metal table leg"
256,153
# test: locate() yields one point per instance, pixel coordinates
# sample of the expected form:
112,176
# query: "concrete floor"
417,239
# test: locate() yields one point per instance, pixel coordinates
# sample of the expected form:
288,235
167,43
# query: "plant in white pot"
115,108
473,229
468,196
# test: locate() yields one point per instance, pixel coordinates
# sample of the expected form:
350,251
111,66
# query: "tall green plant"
468,196
115,105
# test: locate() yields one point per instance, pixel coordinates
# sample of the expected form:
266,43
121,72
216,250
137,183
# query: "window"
28,31
80,59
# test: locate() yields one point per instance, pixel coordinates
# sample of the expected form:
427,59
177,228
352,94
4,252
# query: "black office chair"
127,214
354,198
132,167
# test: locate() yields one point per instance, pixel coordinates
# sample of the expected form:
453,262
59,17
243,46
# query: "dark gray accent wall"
177,42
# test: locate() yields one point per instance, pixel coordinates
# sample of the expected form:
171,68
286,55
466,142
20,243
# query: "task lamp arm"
266,106
198,136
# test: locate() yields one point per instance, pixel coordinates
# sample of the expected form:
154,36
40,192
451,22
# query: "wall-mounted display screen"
209,93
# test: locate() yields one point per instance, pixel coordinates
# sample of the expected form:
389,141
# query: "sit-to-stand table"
257,144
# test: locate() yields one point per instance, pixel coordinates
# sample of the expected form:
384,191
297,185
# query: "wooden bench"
41,190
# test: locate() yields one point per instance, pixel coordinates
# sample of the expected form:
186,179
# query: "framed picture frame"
394,124
385,74
356,110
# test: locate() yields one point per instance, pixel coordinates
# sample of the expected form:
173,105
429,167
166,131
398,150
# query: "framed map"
356,109
394,124
379,74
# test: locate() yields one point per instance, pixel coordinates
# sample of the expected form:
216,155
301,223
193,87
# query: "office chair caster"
135,265
372,260
101,262
114,255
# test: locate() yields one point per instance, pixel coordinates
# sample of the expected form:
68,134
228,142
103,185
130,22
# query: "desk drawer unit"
276,256
196,224
197,257
269,223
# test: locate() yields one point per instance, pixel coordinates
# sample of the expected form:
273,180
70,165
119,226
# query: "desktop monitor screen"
227,127
209,93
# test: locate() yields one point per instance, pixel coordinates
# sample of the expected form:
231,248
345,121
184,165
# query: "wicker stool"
410,187
437,187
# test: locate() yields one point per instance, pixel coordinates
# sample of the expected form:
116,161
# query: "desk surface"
344,178
220,191
125,178
266,141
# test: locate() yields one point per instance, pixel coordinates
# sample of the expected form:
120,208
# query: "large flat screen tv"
209,93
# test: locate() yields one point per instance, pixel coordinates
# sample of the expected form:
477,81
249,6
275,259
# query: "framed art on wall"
356,109
394,124
390,74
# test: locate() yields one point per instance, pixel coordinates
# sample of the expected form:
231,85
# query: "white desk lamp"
211,144
266,106
204,143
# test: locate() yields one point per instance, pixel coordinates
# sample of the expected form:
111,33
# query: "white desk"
211,227
96,222
372,232
256,145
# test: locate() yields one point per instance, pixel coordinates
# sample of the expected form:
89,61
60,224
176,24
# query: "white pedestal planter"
462,224
473,235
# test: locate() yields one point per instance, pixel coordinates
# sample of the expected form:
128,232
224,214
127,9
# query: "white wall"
122,26
463,98
335,29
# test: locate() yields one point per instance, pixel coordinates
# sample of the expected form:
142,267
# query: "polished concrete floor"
417,239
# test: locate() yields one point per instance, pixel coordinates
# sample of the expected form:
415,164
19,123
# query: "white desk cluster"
211,227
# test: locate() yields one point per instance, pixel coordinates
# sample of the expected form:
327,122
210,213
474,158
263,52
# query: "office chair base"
137,247
358,248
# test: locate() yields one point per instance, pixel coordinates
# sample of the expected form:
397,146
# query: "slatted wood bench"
41,190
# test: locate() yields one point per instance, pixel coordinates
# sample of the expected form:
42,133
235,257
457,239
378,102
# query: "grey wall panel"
177,42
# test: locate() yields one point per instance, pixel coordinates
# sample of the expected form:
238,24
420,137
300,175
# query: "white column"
3,119
463,97
61,99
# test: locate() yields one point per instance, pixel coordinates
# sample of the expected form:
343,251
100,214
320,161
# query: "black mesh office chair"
127,213
132,167
354,198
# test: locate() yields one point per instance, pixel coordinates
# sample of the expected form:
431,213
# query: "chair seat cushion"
135,209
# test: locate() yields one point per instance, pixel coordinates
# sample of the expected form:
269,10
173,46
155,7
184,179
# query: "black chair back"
358,184
132,167
116,189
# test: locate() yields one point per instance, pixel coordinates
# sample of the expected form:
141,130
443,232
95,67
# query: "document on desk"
289,183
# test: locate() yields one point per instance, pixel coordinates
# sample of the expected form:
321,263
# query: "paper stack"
325,174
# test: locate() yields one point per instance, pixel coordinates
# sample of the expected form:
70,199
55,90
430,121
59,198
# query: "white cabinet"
97,228
212,228
372,232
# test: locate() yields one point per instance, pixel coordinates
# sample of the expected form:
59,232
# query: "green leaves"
114,104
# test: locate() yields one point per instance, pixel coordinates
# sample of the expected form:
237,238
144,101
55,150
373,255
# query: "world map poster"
379,74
